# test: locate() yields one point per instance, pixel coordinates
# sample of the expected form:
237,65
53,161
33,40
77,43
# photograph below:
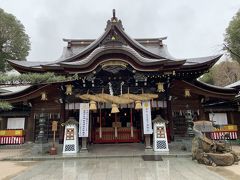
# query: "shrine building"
116,73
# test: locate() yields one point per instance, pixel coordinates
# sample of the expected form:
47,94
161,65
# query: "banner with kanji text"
83,119
147,118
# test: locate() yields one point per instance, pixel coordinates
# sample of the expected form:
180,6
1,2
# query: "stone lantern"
160,142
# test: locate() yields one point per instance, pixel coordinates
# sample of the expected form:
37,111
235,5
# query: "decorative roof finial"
114,21
114,14
114,18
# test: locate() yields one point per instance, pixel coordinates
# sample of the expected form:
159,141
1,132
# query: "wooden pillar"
3,123
202,114
230,117
131,122
100,121
89,124
141,121
30,127
29,135
115,128
62,120
169,117
169,109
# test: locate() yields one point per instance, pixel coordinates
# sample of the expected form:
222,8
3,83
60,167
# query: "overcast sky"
194,28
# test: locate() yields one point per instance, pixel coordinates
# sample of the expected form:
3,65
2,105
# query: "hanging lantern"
69,89
138,105
93,105
160,87
187,93
44,96
114,109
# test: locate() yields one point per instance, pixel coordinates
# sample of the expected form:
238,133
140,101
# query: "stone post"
147,142
84,145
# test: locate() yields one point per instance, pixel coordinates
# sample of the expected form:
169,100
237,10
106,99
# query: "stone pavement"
10,169
23,153
133,168
110,161
95,151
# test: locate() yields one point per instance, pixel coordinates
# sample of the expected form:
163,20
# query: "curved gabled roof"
31,64
201,63
14,89
144,52
193,61
26,66
213,87
137,62
21,94
204,89
113,28
123,48
234,85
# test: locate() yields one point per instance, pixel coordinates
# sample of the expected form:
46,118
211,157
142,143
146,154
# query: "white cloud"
194,28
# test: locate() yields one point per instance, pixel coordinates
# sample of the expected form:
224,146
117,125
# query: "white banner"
15,123
147,118
83,119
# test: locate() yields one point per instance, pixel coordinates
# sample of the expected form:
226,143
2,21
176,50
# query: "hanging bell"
187,93
160,87
44,96
69,89
93,105
138,105
114,109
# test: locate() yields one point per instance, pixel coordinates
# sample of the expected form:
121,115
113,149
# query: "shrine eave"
231,91
202,63
122,53
28,93
119,54
207,90
23,67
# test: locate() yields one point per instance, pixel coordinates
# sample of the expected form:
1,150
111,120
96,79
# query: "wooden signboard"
53,150
54,125
116,124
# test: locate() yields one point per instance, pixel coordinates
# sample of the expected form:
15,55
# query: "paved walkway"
119,169
110,161
10,169
95,151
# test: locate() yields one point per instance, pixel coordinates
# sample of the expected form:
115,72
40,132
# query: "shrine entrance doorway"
122,127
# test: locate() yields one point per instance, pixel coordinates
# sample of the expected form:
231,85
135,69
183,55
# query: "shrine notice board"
83,119
147,118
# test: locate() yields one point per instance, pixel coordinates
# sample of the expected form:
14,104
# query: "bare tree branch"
235,54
